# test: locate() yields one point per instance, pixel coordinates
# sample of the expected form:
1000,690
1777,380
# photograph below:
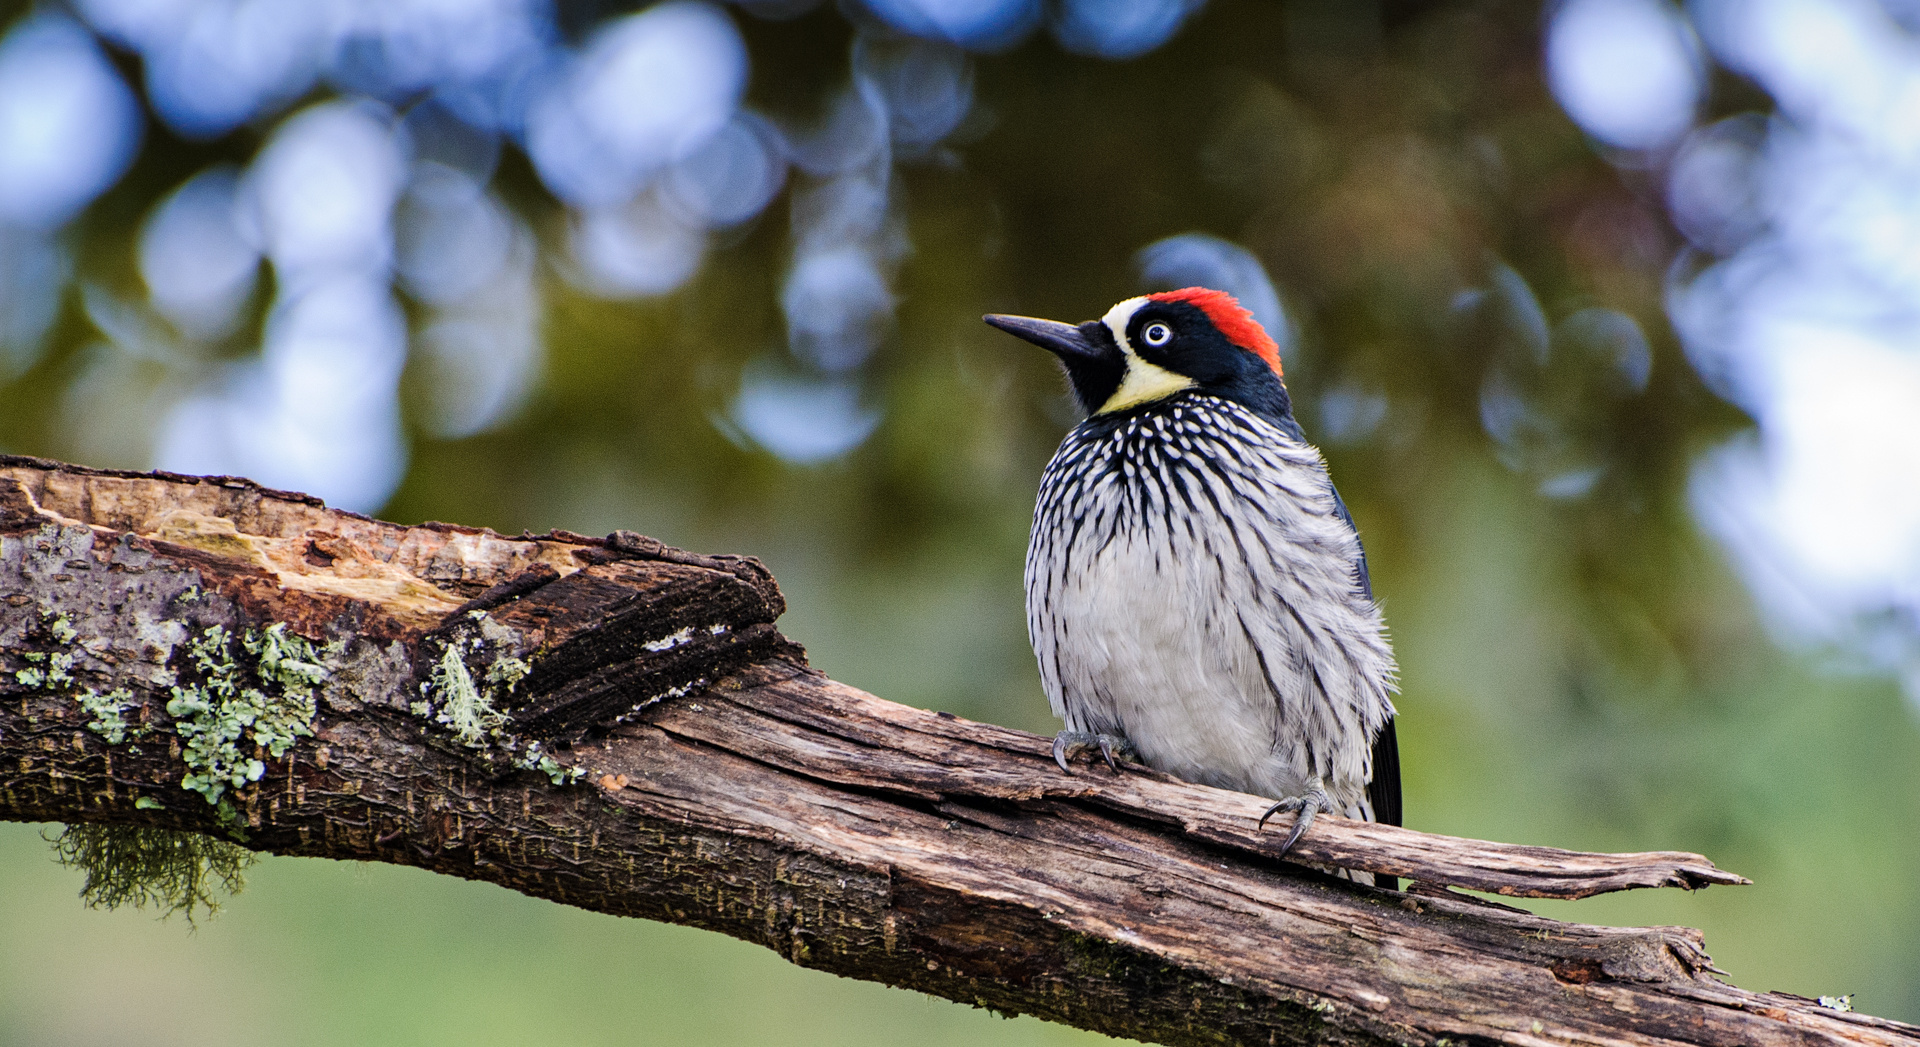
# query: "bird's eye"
1157,334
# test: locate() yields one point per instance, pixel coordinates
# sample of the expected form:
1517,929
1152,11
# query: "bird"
1197,594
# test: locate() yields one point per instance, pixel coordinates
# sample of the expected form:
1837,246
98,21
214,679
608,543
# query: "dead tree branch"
617,725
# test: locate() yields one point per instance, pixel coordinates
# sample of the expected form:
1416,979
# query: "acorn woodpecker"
1196,591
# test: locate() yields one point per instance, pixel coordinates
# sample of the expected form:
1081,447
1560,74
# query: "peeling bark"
617,725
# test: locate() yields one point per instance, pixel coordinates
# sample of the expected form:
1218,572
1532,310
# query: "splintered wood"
617,725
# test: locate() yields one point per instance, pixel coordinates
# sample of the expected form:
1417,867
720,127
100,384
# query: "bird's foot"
1303,808
1111,747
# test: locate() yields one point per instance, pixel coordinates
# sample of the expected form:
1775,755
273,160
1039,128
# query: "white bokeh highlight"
639,132
212,65
1119,29
1204,260
33,269
649,89
986,25
805,421
1800,302
452,237
1627,71
68,125
639,249
733,177
230,60
196,256
924,88
317,412
325,187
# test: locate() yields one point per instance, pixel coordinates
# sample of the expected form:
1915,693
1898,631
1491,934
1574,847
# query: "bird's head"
1152,347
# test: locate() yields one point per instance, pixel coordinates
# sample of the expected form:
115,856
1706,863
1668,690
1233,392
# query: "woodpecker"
1197,595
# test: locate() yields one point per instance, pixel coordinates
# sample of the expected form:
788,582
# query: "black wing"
1384,790
1340,509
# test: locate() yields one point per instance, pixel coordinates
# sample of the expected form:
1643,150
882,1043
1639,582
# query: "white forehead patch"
1117,319
1143,382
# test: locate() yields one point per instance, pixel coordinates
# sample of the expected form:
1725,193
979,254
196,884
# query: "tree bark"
617,725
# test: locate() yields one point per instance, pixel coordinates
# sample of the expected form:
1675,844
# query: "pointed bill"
1066,341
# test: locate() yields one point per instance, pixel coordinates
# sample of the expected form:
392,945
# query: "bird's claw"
1304,809
1111,747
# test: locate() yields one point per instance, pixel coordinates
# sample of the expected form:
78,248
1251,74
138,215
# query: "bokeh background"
1606,314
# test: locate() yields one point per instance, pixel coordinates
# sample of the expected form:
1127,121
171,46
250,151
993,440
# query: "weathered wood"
720,783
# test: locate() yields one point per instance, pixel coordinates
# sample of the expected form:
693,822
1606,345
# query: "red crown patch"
1233,319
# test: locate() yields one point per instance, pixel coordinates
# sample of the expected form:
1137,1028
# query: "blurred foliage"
1579,667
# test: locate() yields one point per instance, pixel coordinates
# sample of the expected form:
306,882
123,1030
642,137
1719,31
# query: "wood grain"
728,786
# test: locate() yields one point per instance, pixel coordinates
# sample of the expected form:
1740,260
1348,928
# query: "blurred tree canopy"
1441,234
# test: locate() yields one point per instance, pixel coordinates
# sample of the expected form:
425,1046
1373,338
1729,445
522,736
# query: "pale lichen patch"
369,674
450,696
52,672
223,708
129,639
506,674
463,708
108,714
159,635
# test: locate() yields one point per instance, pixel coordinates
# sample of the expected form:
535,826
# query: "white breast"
1199,595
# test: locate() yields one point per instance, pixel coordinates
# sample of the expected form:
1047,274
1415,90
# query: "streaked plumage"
1194,584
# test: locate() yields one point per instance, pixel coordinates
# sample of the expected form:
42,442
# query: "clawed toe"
1112,748
1290,804
1304,809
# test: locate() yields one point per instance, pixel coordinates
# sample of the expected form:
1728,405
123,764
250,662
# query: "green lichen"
62,629
463,708
175,872
471,711
245,704
59,670
506,673
53,671
33,675
225,721
291,661
253,701
536,759
106,710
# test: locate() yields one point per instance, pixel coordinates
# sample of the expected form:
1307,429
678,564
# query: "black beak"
1066,341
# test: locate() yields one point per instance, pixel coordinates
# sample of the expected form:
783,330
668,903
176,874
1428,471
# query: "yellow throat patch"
1143,382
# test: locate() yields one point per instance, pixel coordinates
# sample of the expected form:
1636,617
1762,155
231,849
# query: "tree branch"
617,725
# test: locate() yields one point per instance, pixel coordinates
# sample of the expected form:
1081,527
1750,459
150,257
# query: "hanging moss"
173,872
